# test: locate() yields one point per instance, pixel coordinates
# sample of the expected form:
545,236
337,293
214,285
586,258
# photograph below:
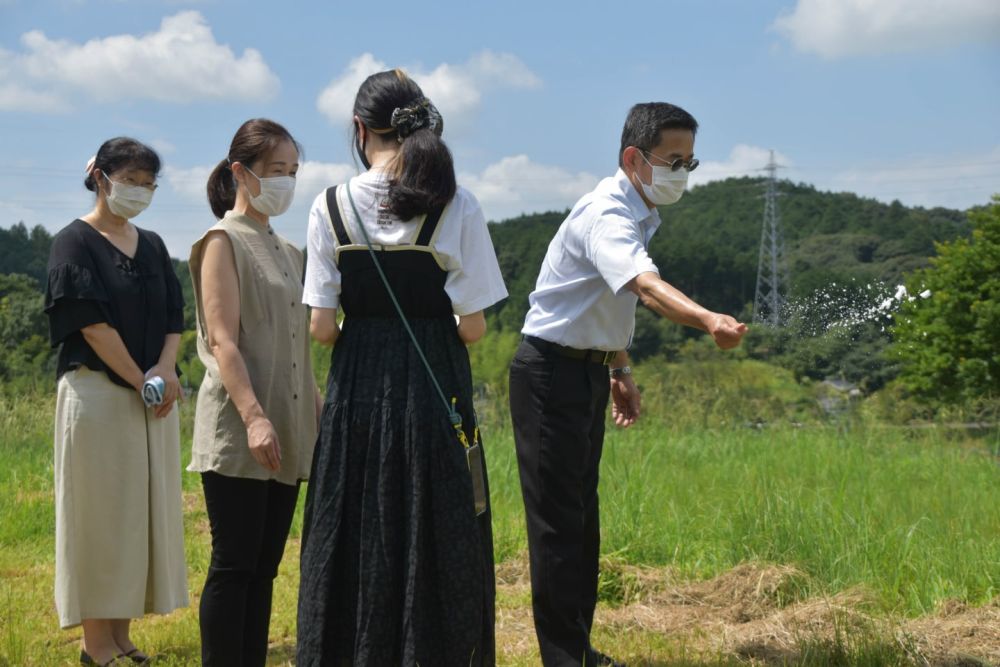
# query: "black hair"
645,122
424,176
122,153
255,139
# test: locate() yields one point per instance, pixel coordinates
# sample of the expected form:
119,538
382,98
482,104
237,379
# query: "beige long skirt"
119,523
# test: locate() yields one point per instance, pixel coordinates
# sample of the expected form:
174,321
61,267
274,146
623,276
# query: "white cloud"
162,146
14,97
955,181
181,62
838,28
314,177
516,185
189,183
337,99
456,89
743,160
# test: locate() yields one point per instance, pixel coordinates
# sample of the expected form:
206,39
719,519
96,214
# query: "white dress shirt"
462,243
579,300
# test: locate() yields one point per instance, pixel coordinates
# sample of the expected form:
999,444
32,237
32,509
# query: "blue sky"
892,99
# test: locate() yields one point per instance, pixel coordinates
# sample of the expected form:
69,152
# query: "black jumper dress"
396,568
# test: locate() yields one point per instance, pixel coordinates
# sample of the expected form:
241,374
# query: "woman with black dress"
115,306
396,563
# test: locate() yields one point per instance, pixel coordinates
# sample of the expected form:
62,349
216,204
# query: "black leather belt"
592,356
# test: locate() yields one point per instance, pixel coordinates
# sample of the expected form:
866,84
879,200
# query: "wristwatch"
620,372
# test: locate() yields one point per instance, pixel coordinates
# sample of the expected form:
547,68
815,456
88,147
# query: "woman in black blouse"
115,307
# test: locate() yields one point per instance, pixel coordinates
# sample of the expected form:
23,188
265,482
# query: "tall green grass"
912,515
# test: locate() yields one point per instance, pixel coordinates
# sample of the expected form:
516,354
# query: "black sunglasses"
674,165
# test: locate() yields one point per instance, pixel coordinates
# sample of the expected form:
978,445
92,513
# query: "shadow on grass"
278,655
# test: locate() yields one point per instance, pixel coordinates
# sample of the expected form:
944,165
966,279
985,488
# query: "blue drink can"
152,391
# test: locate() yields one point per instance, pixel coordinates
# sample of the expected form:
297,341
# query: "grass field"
849,543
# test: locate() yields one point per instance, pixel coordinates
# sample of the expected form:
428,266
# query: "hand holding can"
152,391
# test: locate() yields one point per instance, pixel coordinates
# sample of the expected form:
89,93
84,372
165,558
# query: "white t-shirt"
601,245
462,243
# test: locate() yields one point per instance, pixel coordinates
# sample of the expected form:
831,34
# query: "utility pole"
770,298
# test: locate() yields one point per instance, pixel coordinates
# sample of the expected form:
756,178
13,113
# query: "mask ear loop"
246,169
636,171
359,146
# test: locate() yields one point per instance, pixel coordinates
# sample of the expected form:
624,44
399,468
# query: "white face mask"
275,196
667,186
128,201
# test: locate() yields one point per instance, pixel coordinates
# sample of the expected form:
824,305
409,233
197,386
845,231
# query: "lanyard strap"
453,415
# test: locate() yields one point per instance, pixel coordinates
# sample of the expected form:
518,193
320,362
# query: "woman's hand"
263,442
471,327
172,390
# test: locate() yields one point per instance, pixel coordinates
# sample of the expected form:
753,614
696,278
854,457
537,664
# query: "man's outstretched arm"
665,299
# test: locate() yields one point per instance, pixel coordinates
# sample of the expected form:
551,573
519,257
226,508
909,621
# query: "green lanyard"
453,414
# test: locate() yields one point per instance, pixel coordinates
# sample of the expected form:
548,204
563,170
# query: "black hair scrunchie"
420,114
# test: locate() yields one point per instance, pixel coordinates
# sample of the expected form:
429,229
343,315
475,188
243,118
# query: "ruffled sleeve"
74,295
74,299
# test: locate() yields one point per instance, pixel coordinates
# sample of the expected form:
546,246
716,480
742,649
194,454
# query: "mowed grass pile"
910,515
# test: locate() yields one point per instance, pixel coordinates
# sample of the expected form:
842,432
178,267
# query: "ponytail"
392,106
221,189
425,176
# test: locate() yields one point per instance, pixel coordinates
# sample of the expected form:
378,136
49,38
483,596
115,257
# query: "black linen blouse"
91,281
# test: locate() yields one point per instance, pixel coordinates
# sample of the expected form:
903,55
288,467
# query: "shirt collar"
637,207
246,221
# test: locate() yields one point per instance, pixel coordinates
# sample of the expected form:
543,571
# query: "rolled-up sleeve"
615,247
322,279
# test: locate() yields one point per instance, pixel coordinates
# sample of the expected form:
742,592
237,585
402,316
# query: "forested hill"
707,246
709,242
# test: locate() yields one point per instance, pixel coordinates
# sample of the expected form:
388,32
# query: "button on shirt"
462,243
274,343
579,299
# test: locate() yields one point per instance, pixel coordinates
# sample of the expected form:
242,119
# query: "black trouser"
250,519
557,406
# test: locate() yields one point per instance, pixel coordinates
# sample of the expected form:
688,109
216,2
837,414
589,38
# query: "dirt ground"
753,612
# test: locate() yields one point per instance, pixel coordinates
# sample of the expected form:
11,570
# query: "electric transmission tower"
772,275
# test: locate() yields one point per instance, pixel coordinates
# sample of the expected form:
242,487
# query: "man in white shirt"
580,322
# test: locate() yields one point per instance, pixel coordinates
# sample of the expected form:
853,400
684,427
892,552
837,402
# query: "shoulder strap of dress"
430,225
336,220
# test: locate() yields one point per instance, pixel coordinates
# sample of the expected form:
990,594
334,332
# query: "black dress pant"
250,520
558,406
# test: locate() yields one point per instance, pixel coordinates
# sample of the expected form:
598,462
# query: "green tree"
949,342
25,251
25,357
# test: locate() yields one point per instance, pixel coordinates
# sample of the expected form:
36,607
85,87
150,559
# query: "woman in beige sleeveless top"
257,410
